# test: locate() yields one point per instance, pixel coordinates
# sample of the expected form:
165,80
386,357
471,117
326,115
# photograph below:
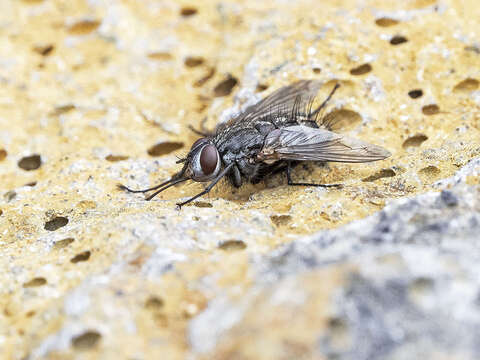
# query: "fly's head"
202,164
203,161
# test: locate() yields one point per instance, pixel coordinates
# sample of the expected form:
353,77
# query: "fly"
269,137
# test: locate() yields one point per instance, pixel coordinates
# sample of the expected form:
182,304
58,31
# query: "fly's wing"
279,104
285,98
305,143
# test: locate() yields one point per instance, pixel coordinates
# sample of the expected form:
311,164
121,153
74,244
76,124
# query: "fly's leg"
236,177
314,113
290,182
209,187
203,131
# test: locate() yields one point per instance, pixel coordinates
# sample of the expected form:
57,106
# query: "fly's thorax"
239,141
204,161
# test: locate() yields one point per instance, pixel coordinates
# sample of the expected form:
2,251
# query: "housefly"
269,137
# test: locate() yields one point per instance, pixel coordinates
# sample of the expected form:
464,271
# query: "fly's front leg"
203,130
209,187
290,182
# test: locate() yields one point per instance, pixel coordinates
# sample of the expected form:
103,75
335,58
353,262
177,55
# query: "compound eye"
208,159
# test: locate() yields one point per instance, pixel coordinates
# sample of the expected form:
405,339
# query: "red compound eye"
208,159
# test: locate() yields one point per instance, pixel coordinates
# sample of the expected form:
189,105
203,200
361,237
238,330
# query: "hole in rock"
423,284
431,109
56,223
205,78
29,163
10,195
316,70
60,244
164,148
467,85
188,11
384,173
420,288
341,119
31,183
44,49
83,256
202,204
83,27
415,94
430,171
280,220
225,87
475,49
161,56
115,158
361,70
201,107
398,39
154,303
193,61
449,198
386,22
414,141
339,334
86,205
87,340
35,282
261,87
232,245
1,212
3,154
63,109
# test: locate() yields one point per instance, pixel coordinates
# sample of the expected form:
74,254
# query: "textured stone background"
96,92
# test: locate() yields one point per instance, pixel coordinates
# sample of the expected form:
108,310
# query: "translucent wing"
281,102
286,97
305,143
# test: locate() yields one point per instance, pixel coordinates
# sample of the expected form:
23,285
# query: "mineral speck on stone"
96,93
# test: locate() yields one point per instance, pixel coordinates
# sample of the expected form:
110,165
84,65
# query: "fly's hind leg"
315,113
290,182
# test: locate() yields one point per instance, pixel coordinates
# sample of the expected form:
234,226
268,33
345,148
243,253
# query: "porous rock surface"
93,93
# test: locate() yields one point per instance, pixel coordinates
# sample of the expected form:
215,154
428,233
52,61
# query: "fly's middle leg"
235,176
290,182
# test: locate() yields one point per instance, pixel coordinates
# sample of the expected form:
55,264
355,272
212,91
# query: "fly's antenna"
182,157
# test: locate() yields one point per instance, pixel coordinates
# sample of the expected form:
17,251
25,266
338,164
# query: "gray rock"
412,288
